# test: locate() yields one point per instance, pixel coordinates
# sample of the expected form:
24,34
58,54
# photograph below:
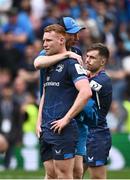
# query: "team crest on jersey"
59,67
95,86
80,69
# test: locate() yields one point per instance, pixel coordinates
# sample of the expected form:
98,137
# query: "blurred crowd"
21,29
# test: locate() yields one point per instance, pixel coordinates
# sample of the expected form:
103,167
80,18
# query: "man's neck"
63,50
92,74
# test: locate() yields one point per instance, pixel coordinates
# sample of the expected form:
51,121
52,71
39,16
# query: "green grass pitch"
21,174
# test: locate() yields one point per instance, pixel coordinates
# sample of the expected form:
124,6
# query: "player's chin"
47,53
89,68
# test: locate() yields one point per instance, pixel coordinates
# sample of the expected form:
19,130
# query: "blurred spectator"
12,32
90,8
29,111
121,79
119,83
38,8
116,117
101,10
108,34
19,90
64,7
37,47
86,39
46,20
74,9
126,68
5,5
10,56
126,124
25,15
9,121
16,3
112,8
27,71
122,11
3,144
5,77
27,61
88,22
126,39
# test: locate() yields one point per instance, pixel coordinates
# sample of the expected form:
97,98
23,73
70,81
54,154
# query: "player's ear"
103,61
63,40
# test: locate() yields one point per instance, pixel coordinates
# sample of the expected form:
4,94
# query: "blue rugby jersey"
42,71
60,91
102,94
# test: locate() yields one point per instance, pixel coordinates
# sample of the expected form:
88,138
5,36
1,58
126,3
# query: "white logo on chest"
95,86
59,67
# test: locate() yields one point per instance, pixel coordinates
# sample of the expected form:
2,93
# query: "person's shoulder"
76,50
69,61
101,82
102,78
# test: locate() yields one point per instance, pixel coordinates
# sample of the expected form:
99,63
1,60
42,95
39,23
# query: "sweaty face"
93,61
52,42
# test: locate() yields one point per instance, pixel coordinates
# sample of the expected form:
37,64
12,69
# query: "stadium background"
21,28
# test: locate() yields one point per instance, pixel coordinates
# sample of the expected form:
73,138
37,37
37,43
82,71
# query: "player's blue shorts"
82,139
59,146
98,147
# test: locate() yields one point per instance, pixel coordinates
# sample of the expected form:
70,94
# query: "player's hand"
38,130
58,125
88,73
76,56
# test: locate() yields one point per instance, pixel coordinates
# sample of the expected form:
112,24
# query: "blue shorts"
58,147
98,147
82,139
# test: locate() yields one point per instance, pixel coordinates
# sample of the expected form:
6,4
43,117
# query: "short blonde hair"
56,28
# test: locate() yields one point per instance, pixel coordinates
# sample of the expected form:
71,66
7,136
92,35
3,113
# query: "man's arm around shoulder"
43,61
84,94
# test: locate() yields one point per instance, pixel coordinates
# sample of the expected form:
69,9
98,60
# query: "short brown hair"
56,28
101,48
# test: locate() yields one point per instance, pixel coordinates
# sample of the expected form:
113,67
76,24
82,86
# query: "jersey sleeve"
76,71
42,73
